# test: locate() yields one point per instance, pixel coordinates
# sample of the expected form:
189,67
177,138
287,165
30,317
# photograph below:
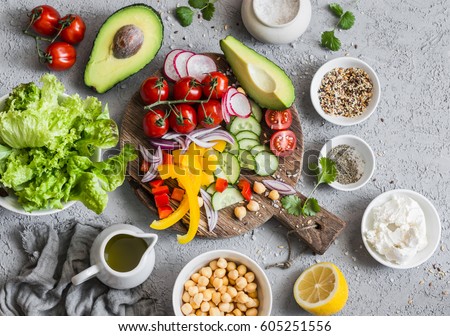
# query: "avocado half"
126,42
264,81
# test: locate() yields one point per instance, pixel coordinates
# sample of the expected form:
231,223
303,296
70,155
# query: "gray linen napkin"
43,287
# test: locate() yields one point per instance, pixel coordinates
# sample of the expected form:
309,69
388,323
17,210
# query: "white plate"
345,62
433,225
363,149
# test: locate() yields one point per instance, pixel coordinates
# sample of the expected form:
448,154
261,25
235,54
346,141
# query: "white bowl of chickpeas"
222,283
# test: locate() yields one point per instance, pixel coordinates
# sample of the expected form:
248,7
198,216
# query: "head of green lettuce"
46,142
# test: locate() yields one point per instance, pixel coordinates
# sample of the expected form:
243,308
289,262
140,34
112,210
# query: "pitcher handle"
85,275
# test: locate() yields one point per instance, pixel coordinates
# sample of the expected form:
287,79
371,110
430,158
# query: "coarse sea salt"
277,12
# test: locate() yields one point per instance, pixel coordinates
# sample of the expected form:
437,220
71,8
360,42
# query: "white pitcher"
109,276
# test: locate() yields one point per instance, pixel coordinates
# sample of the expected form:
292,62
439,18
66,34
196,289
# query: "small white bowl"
362,148
433,225
264,289
345,62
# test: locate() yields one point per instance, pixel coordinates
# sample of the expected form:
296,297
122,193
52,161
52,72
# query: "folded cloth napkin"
43,287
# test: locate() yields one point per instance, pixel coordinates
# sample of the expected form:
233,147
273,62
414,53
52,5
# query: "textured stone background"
408,44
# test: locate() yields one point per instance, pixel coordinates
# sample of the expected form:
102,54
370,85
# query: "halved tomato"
278,120
282,143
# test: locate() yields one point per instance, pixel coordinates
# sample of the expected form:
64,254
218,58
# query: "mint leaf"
198,4
311,207
208,12
292,204
328,171
330,41
184,15
336,9
347,20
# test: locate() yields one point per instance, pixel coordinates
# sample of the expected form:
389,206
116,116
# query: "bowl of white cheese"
401,229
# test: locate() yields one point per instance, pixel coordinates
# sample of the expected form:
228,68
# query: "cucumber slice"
258,149
247,160
245,124
226,198
266,164
247,135
256,111
211,188
247,144
234,148
229,168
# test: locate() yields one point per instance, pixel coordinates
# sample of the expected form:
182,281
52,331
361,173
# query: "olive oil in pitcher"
124,252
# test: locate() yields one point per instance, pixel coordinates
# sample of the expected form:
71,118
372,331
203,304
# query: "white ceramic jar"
276,22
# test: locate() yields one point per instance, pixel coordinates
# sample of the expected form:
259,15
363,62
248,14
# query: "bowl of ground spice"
354,159
345,91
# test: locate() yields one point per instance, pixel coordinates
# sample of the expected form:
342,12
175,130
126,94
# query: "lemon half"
321,289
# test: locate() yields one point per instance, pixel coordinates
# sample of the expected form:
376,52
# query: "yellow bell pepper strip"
220,145
177,215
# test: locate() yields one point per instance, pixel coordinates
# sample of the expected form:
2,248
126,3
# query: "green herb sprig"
310,207
185,14
346,21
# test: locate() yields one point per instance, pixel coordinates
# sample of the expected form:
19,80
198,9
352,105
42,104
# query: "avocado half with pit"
264,81
126,42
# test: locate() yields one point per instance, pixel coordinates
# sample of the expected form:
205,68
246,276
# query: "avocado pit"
127,41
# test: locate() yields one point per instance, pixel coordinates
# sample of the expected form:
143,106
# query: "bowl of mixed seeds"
345,91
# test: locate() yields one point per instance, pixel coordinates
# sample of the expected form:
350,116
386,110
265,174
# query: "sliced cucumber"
247,160
211,188
256,111
247,144
258,149
229,168
226,198
234,148
266,164
247,135
245,124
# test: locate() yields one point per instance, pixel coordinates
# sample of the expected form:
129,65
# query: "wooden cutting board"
318,232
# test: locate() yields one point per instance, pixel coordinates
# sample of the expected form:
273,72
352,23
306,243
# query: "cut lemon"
321,289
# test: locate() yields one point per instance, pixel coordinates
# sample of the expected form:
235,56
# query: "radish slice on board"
230,92
198,66
180,61
240,105
169,69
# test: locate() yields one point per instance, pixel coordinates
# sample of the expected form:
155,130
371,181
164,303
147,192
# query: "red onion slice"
148,156
279,186
201,143
164,144
211,215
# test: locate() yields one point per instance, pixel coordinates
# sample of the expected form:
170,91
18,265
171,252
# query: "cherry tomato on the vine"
155,123
282,143
209,114
44,20
187,88
278,120
72,28
183,118
154,89
215,84
59,56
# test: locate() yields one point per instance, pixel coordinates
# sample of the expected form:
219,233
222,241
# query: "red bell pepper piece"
162,200
164,211
167,158
246,189
177,194
221,184
144,167
160,190
156,183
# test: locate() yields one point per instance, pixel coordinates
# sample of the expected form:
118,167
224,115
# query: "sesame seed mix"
345,92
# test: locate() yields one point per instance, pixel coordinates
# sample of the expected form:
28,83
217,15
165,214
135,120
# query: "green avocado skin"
132,70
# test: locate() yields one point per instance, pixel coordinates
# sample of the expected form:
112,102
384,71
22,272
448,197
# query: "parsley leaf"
311,207
292,204
208,12
184,15
328,172
336,9
330,41
198,4
347,20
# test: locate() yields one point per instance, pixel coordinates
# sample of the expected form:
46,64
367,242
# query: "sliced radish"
198,66
179,62
240,105
169,69
226,116
230,92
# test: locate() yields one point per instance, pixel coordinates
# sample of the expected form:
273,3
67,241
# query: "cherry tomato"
44,20
282,143
155,124
187,88
183,119
209,114
154,89
72,28
278,120
60,56
215,84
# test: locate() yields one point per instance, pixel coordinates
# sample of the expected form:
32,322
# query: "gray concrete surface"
407,42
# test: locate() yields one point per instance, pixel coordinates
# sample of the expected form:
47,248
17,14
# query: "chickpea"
231,266
274,195
232,291
186,297
200,201
195,276
188,284
240,212
200,313
193,304
207,295
253,295
259,188
241,283
233,275
226,297
219,273
241,297
217,283
193,290
237,312
253,206
214,311
224,307
231,307
216,298
203,281
251,287
198,299
241,90
249,276
256,302
232,282
205,307
213,265
186,309
251,303
223,290
225,281
201,289
252,312
222,263
242,269
206,272
242,307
